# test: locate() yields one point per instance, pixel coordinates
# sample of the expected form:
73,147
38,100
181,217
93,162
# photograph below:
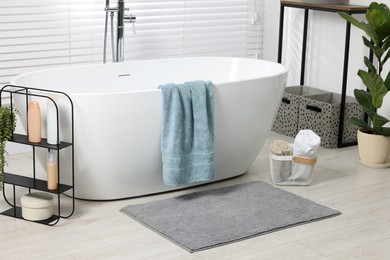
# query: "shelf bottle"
52,127
51,171
34,122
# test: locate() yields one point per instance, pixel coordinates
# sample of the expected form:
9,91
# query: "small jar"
37,206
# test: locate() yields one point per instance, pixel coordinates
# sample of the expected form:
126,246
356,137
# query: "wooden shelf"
326,7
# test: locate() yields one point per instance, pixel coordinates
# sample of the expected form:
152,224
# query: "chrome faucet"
120,33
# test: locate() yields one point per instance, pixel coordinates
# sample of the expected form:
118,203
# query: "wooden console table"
349,9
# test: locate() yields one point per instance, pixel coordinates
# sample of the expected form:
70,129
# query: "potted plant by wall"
7,127
373,136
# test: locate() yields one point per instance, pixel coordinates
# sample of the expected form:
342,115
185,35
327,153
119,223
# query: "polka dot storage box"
286,121
321,114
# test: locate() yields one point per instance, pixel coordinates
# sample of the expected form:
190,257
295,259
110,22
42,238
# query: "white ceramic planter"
373,149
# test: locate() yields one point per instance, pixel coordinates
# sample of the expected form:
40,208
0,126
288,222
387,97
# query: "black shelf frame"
23,139
33,183
16,212
349,9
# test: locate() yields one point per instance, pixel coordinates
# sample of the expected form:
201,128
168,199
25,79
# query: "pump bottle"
51,171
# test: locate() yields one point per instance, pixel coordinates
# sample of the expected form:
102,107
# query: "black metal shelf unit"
33,183
350,9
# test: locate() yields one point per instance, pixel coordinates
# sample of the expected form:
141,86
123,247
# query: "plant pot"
373,149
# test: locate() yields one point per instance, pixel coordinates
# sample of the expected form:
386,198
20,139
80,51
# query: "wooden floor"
99,231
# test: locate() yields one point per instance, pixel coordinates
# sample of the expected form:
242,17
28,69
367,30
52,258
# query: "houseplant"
7,127
377,82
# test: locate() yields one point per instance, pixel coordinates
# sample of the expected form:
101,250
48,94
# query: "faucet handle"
130,19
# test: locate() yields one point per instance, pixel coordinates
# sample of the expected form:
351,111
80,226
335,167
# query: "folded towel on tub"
187,132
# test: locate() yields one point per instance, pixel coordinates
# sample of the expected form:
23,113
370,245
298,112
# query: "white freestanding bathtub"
117,118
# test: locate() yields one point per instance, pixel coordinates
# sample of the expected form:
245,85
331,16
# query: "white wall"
325,47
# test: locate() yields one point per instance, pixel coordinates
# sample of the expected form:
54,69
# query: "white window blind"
44,34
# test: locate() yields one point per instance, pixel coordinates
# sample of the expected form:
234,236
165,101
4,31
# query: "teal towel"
187,132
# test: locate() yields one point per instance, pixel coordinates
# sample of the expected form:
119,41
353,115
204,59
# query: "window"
43,34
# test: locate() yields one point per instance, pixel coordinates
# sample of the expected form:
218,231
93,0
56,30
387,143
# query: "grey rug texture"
216,217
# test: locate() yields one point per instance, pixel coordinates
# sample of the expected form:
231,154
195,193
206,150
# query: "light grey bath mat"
211,218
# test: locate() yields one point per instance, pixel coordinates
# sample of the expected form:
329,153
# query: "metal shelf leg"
344,85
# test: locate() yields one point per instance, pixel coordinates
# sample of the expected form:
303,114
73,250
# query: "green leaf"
364,99
7,127
371,33
376,19
370,66
375,85
350,19
387,81
361,25
374,15
385,131
377,120
387,56
378,16
377,50
358,122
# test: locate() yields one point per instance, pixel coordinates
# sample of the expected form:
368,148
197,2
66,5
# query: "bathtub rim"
284,70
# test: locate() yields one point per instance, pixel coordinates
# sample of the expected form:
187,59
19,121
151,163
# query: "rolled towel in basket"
305,145
279,147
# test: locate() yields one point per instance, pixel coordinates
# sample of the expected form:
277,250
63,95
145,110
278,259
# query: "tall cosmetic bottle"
51,171
34,122
52,137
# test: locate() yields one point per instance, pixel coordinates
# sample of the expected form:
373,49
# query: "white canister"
37,206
